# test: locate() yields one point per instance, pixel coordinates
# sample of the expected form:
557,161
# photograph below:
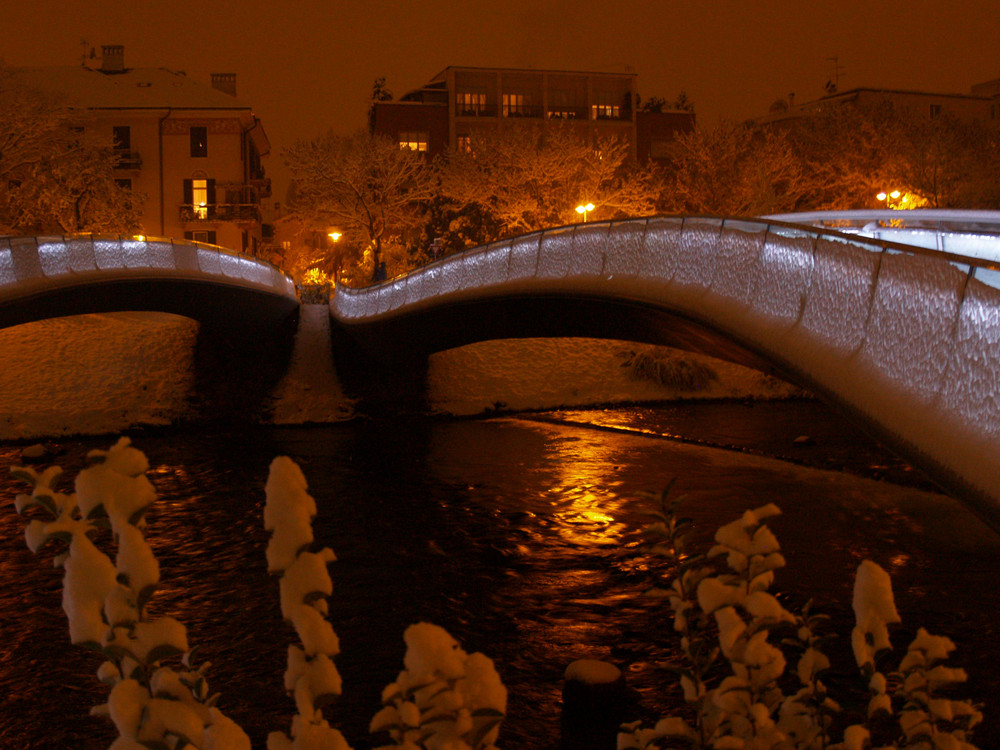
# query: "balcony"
522,110
130,160
475,111
262,185
557,112
239,213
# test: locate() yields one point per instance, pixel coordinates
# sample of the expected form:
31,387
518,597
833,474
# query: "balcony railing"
262,185
522,110
466,110
244,213
557,112
128,160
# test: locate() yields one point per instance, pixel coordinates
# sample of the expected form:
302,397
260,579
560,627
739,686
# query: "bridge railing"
968,233
978,258
25,261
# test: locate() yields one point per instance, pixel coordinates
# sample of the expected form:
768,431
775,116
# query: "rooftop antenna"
833,85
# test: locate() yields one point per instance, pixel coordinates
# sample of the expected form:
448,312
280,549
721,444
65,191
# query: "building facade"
981,104
458,102
193,150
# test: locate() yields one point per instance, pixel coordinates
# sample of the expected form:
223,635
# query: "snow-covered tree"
364,184
519,179
55,177
733,169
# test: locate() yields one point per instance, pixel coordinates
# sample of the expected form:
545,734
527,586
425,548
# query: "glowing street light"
585,209
335,236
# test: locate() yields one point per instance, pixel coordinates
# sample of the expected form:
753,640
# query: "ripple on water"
517,537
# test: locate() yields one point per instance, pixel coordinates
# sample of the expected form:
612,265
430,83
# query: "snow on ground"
101,373
310,391
522,374
94,373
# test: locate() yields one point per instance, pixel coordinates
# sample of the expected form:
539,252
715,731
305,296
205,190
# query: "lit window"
413,141
605,106
470,103
515,105
199,141
464,144
199,198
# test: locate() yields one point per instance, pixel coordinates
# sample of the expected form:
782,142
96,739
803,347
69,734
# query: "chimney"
112,58
225,82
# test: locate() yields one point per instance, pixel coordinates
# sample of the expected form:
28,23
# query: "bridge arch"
905,339
233,295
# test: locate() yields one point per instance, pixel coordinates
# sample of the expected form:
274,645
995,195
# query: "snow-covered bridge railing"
971,234
907,339
44,277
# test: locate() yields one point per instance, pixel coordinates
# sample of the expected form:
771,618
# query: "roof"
627,74
134,88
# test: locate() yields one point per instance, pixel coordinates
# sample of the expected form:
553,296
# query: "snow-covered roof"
133,88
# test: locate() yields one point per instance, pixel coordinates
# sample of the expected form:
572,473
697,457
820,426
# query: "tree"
657,104
54,176
364,184
519,179
380,93
734,169
855,152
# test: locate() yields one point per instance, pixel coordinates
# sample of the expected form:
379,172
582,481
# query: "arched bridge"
906,339
47,277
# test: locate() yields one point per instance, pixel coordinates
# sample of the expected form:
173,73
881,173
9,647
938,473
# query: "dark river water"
515,534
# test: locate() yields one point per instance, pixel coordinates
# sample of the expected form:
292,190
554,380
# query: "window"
935,110
464,144
199,141
517,105
199,197
470,103
124,182
122,135
605,106
201,236
414,141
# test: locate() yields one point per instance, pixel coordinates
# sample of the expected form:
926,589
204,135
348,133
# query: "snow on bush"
445,698
151,704
738,643
752,678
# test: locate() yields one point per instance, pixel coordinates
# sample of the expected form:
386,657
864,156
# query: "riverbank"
97,374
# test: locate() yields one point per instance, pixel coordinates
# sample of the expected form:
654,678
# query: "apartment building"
193,149
458,102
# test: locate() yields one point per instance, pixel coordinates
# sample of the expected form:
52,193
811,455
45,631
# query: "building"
982,103
194,150
458,102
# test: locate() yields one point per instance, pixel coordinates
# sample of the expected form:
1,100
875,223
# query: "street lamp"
335,236
884,196
585,209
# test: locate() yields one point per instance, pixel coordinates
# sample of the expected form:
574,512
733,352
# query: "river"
516,534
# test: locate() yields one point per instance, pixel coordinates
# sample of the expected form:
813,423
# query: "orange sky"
307,65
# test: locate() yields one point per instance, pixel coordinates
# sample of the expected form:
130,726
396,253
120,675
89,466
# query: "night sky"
307,65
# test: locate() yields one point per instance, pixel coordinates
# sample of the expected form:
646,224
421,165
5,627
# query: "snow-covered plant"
735,683
454,701
311,676
151,704
445,699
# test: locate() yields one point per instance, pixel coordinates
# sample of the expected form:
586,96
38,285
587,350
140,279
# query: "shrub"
738,690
